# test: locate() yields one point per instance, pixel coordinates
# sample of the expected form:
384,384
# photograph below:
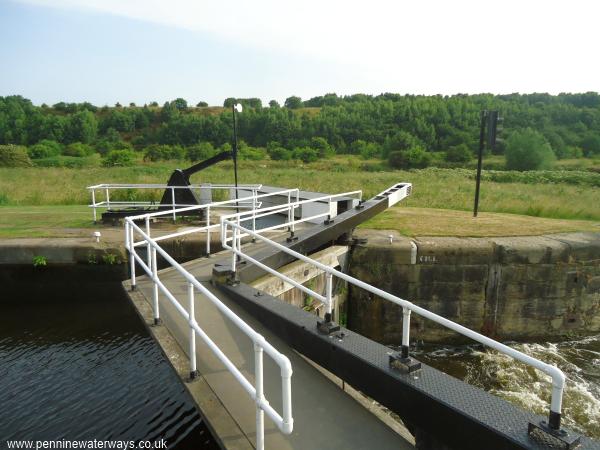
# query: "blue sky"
104,51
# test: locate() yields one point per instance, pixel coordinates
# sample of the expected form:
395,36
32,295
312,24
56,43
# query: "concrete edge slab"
223,427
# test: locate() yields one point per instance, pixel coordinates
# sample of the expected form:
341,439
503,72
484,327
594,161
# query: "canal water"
579,359
76,363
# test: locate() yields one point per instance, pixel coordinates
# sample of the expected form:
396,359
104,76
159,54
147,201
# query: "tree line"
406,130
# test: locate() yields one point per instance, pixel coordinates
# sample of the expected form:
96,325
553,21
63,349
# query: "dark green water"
76,363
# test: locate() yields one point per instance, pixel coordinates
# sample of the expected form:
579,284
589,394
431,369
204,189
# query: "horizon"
108,51
265,102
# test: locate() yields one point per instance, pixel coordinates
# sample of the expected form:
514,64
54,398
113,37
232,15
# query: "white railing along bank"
284,421
107,203
231,225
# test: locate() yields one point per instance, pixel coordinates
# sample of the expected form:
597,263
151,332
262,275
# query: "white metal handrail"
254,202
284,421
558,377
290,209
107,203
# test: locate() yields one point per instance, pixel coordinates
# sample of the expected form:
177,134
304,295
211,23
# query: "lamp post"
237,107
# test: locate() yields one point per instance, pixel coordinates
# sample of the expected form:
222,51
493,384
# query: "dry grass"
443,222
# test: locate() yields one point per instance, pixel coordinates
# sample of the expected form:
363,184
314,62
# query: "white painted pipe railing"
255,200
284,421
233,222
107,203
288,208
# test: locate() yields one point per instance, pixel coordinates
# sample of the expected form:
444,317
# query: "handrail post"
327,325
258,381
148,248
173,203
239,242
289,204
107,198
234,232
94,204
402,360
294,211
207,231
155,288
405,332
131,257
329,219
192,321
555,405
328,296
254,213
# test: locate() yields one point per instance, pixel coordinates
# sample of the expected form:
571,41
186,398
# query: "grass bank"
548,194
76,221
444,222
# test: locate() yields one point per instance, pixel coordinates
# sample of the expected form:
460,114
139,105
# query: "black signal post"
490,121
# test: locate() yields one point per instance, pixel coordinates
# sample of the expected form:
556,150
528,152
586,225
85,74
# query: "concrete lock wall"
509,288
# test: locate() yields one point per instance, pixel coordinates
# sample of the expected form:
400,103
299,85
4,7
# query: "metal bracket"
158,322
560,436
327,327
329,221
403,364
292,237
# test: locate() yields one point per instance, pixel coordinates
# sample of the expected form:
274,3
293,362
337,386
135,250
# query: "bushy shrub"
322,146
401,141
200,152
14,156
305,154
366,150
459,153
528,150
252,153
568,152
163,152
71,162
119,158
415,158
44,149
591,145
104,146
279,153
78,149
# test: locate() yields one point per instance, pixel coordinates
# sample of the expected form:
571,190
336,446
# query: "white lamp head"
238,107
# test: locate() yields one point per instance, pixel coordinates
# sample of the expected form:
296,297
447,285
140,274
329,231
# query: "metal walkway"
326,417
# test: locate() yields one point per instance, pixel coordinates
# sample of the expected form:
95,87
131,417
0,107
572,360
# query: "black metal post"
479,161
235,151
235,174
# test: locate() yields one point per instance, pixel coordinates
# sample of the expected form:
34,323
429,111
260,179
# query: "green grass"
552,196
43,221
